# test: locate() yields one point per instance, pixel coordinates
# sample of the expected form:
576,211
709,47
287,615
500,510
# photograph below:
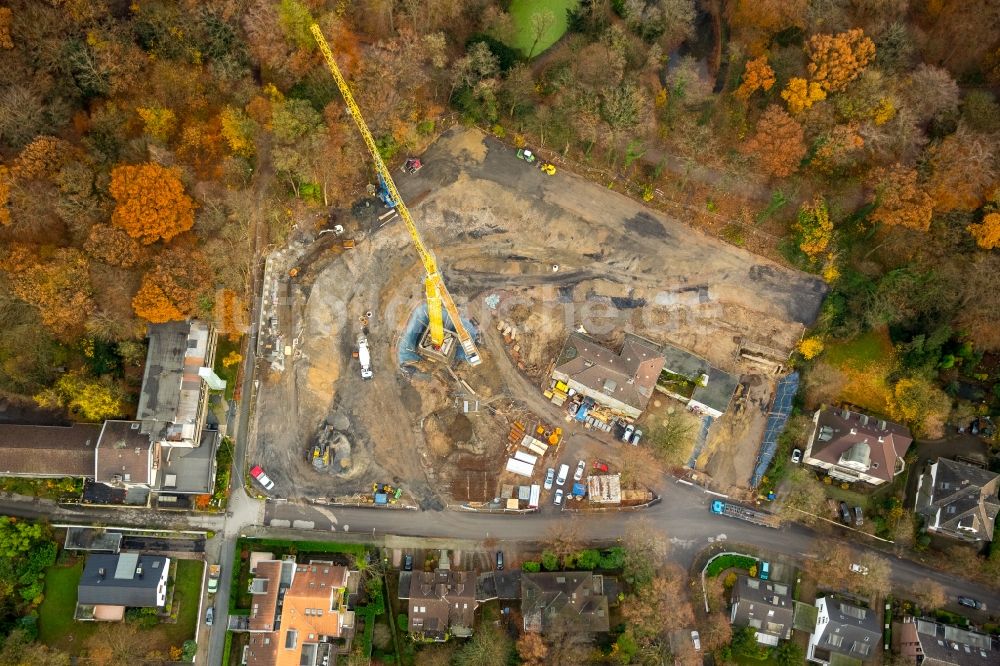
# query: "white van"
563,474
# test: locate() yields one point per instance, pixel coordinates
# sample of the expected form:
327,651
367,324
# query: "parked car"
563,474
550,477
696,639
499,560
557,500
796,456
627,436
581,467
972,603
765,570
210,616
845,513
859,569
859,517
600,466
407,562
257,472
636,436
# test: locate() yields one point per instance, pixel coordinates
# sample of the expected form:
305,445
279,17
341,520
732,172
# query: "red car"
263,479
600,466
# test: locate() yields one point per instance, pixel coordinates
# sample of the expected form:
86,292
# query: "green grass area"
724,562
187,591
56,626
223,349
745,660
521,12
871,347
853,498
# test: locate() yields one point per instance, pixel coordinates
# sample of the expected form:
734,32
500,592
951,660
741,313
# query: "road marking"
346,527
326,513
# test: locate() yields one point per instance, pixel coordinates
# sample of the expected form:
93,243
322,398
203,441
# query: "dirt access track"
498,226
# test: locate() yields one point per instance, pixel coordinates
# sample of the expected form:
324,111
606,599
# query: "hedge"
724,562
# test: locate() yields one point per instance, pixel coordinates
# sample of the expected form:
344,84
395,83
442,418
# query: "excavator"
434,289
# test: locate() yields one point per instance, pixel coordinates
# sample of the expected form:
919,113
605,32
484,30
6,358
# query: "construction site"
372,390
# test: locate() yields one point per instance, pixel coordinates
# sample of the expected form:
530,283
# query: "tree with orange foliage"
757,20
152,204
778,144
987,232
758,75
42,158
899,200
170,291
962,169
532,649
836,60
801,94
112,246
6,18
837,150
58,285
5,183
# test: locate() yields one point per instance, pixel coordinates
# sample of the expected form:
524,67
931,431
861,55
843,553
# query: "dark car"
845,513
972,603
499,560
407,562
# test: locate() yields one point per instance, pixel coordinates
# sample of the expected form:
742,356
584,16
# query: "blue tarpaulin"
776,419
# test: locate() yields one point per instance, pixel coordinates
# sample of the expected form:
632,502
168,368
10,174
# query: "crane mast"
434,289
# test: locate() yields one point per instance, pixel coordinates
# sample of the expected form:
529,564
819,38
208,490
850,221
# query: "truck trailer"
721,508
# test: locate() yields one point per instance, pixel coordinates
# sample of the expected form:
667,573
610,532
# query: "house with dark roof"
125,456
622,382
569,600
765,606
845,633
440,603
853,447
711,389
930,643
959,500
48,452
299,614
112,583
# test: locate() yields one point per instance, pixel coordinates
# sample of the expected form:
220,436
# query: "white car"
796,456
629,429
696,639
581,467
636,436
550,477
557,500
563,474
859,569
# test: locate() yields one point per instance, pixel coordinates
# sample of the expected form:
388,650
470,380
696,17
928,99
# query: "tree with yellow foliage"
899,200
87,398
758,75
814,228
921,404
152,204
238,129
987,232
159,121
778,144
801,94
836,60
810,347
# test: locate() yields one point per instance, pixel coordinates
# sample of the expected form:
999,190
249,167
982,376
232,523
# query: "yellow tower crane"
437,294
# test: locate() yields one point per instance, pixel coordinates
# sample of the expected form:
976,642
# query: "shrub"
402,621
588,559
531,567
550,561
730,580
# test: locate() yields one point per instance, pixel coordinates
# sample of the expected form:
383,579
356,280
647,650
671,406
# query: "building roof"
498,585
265,588
124,454
188,470
852,631
440,601
125,579
719,386
766,606
960,498
170,400
48,451
93,539
944,644
628,377
859,442
263,649
310,609
571,600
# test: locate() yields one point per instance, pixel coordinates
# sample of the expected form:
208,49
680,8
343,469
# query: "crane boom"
434,288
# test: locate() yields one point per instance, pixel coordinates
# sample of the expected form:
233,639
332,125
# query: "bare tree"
930,595
541,22
565,537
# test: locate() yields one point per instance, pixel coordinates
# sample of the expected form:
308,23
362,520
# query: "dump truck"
754,516
213,578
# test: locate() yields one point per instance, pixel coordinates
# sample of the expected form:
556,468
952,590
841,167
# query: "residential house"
766,606
623,382
299,614
125,456
440,603
710,389
844,631
853,447
931,643
48,452
112,583
570,600
959,500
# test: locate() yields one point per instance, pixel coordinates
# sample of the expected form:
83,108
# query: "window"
836,640
291,638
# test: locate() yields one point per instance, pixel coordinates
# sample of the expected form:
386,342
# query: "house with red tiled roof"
851,446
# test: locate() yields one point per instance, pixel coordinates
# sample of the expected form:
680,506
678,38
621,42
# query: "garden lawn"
871,347
222,350
521,12
187,592
56,626
865,363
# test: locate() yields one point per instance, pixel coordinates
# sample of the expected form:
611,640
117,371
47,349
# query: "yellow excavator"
434,288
